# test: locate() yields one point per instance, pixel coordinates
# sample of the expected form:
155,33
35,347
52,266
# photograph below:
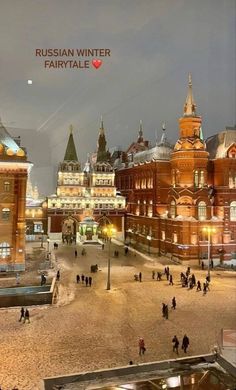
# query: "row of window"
6,213
6,186
202,210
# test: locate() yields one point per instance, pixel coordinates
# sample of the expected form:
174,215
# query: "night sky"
154,44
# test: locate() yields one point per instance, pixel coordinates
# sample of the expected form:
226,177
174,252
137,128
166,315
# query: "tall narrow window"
196,179
233,211
6,186
201,211
202,178
173,177
172,209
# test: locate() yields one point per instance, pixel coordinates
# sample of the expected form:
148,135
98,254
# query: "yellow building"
13,178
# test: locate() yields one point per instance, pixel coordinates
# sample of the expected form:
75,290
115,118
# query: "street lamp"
42,238
109,231
149,243
209,231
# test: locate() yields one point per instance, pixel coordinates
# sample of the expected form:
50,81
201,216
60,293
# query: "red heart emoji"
97,63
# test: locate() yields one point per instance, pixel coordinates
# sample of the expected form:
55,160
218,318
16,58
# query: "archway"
69,230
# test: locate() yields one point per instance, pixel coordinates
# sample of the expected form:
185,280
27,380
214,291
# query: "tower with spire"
102,154
189,163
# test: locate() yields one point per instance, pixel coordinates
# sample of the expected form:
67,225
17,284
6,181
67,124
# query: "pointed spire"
102,153
140,132
71,154
101,124
190,106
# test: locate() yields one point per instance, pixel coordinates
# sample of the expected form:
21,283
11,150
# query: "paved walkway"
92,328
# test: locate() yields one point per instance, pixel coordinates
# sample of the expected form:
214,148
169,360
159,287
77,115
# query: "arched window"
201,211
196,179
172,209
5,214
4,250
233,211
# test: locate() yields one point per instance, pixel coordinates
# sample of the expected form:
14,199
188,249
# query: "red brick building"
175,193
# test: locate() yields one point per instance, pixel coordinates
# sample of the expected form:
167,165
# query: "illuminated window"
38,227
175,237
196,179
163,235
233,211
202,182
201,211
4,250
172,209
6,186
6,214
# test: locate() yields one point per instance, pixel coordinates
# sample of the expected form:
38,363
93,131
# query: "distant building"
36,213
174,193
13,178
84,193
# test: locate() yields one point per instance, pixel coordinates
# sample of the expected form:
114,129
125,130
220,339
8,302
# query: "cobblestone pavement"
90,328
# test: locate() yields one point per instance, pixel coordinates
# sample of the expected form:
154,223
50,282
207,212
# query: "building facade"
13,178
87,192
174,194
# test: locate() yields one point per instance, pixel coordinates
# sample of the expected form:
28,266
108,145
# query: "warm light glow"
109,230
209,229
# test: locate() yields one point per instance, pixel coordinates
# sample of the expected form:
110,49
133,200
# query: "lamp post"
109,231
149,243
209,231
42,238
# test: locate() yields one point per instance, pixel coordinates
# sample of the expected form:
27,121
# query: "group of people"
84,279
24,315
138,277
188,280
165,309
185,344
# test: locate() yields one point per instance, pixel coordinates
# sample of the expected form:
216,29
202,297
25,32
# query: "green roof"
71,154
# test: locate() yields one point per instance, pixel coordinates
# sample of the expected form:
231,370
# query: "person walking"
185,343
202,265
204,289
174,303
153,274
207,286
199,287
193,280
141,345
171,280
82,278
27,316
58,275
175,342
159,276
140,276
86,281
166,312
22,314
77,278
90,281
76,253
163,309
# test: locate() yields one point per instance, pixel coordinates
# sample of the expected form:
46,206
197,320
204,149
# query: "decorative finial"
71,129
189,79
163,126
101,123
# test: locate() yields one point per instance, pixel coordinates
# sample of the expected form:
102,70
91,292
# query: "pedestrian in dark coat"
27,316
140,276
153,274
202,264
199,287
185,343
58,275
86,281
166,312
204,288
141,345
163,309
90,281
77,278
82,278
76,253
22,314
193,280
158,275
171,280
174,303
212,263
175,342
